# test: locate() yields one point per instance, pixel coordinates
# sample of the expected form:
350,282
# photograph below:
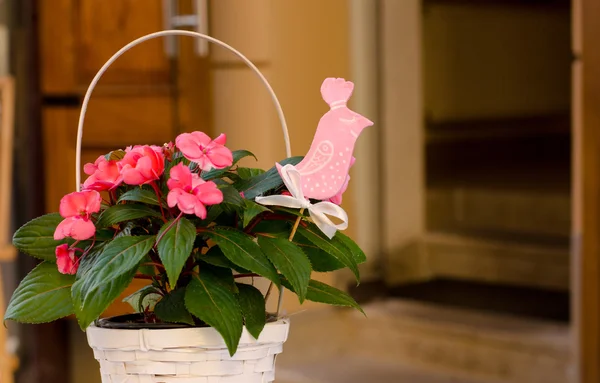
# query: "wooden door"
144,98
587,188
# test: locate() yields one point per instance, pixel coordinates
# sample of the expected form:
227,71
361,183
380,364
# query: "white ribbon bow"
292,179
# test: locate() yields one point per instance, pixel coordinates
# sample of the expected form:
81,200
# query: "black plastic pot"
135,322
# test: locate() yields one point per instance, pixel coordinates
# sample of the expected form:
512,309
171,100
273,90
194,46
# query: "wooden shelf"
531,161
523,3
496,260
520,213
498,128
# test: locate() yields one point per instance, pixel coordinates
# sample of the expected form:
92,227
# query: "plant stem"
253,224
268,292
155,264
142,276
89,248
246,275
159,198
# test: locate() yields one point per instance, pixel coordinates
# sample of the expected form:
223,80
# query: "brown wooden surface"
589,290
144,98
194,104
77,37
7,108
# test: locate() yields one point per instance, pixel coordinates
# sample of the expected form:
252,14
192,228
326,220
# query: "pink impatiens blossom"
142,164
75,227
207,153
65,260
76,209
190,193
103,175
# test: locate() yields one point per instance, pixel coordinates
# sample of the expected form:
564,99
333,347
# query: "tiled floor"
409,342
361,370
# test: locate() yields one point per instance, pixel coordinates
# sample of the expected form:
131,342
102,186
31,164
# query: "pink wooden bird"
324,169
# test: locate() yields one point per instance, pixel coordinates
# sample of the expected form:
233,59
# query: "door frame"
586,238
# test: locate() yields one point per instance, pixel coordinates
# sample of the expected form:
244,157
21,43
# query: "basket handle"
92,85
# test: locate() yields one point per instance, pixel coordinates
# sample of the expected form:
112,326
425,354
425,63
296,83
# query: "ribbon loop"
319,212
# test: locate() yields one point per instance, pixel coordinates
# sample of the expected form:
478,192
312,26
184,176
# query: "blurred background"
475,195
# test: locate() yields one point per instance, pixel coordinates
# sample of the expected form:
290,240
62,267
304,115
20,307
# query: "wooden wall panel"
588,324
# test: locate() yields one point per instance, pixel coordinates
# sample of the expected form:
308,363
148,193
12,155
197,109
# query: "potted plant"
200,228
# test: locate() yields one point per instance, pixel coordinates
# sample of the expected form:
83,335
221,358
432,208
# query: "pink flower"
75,227
80,204
142,164
208,154
337,199
191,193
65,260
77,209
103,175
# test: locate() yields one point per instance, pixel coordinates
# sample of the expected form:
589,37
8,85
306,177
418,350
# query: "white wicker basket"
188,355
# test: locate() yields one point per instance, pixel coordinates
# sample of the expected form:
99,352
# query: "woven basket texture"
194,355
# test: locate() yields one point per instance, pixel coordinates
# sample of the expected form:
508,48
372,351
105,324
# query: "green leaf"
213,212
269,180
36,237
105,235
86,263
231,176
223,276
147,269
241,249
108,276
43,295
146,297
323,293
278,228
217,306
343,255
214,256
171,308
141,195
120,213
239,154
217,173
115,155
252,209
231,197
355,250
287,210
291,262
175,246
253,308
246,173
320,260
